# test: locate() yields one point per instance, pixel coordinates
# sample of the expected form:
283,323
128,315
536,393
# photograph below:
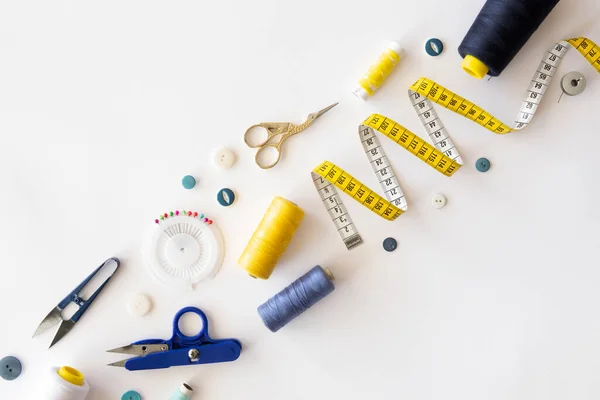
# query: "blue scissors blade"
219,351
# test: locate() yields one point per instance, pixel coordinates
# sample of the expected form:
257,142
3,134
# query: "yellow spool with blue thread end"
271,238
474,67
378,72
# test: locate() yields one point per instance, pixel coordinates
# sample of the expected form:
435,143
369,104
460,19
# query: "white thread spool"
63,384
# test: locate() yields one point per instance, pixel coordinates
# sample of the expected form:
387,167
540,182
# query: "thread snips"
180,349
55,316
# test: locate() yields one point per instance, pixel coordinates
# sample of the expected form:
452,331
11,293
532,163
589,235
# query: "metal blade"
119,363
323,111
53,318
63,329
140,349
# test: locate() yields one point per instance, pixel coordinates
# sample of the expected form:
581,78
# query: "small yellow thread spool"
379,71
271,238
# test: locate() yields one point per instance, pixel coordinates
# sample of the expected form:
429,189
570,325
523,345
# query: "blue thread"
298,297
501,29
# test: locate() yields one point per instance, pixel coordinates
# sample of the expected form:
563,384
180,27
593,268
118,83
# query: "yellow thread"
271,238
378,72
71,375
357,190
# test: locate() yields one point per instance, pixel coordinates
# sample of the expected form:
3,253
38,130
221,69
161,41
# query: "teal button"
188,182
483,164
131,395
10,368
434,47
390,244
225,197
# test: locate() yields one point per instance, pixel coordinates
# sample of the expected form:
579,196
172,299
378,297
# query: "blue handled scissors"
55,316
180,349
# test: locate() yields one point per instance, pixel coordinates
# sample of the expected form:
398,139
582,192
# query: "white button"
223,158
139,305
438,200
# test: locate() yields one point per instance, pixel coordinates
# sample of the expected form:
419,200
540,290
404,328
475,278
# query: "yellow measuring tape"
442,155
539,83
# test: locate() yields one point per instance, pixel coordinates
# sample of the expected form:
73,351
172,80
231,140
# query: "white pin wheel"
183,250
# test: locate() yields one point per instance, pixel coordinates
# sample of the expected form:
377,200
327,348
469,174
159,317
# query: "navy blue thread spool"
298,297
498,33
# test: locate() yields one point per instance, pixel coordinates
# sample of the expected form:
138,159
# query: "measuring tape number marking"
442,156
425,89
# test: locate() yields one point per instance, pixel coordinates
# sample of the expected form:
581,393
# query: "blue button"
434,47
131,395
225,197
10,368
390,244
483,164
188,182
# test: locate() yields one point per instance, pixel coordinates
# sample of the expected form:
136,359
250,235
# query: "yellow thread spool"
271,238
379,71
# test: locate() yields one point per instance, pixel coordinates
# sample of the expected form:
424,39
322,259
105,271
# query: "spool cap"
186,389
183,393
71,375
474,67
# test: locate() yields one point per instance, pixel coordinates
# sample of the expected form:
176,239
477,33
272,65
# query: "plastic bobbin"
573,83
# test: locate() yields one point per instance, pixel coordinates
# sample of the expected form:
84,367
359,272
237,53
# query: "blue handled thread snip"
55,316
180,349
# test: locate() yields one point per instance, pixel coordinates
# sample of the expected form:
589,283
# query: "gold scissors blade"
323,111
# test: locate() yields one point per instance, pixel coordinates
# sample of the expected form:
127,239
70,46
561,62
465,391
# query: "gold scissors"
277,133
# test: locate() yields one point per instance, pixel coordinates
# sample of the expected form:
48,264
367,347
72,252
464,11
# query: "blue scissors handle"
182,349
179,340
74,295
221,351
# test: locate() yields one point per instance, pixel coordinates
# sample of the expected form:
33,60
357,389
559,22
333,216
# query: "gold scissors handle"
280,130
273,129
269,149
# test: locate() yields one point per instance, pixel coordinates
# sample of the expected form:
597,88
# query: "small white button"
438,200
139,305
224,158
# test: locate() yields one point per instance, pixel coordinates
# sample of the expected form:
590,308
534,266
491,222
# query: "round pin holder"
183,249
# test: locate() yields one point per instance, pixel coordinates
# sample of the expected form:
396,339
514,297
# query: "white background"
105,106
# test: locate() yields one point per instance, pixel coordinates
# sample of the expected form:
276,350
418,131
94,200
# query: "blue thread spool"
498,33
298,297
